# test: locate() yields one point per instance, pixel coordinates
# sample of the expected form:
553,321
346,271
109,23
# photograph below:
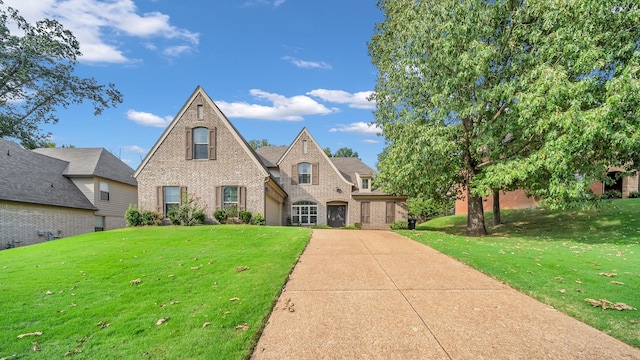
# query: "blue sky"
272,66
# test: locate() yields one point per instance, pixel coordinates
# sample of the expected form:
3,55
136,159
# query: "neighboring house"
517,199
104,179
40,200
202,155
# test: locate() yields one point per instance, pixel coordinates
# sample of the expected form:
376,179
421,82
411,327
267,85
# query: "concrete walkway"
378,295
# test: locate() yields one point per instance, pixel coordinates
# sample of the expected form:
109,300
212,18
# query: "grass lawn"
151,293
559,258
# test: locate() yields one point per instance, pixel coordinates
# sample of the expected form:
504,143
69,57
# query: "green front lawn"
559,258
102,295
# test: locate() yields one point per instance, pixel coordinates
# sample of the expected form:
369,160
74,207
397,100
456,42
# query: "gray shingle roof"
271,154
92,162
29,177
349,166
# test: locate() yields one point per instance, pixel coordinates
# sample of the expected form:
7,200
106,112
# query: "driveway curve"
378,295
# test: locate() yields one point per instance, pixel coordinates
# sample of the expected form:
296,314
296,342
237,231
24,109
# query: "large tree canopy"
36,77
486,95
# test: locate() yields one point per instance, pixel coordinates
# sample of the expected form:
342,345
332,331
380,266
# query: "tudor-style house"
202,155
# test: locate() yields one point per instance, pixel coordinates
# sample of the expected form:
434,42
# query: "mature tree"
36,77
327,151
346,152
255,144
491,95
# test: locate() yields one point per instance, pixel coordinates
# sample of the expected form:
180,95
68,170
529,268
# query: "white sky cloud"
102,26
134,149
307,64
148,119
371,141
358,128
275,3
356,100
280,108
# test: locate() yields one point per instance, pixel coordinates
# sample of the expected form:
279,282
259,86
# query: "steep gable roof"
350,166
29,177
315,143
232,129
92,162
271,154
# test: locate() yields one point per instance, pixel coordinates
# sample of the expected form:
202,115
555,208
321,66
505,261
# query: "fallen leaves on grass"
617,283
49,293
242,268
36,333
73,352
195,268
103,324
206,324
35,346
243,327
606,304
162,321
234,299
608,274
135,281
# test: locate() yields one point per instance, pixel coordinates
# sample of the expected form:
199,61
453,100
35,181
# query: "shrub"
220,216
150,218
189,213
612,194
634,194
174,217
400,225
358,225
245,216
133,216
318,226
349,227
258,219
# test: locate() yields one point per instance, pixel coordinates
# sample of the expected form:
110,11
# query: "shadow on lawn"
617,222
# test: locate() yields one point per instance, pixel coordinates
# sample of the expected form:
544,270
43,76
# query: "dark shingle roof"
349,166
92,162
28,177
271,154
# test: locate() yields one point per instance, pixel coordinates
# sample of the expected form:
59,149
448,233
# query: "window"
230,197
200,143
99,223
365,184
171,196
200,112
104,191
304,173
304,213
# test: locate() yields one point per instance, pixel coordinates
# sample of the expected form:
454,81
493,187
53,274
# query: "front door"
336,215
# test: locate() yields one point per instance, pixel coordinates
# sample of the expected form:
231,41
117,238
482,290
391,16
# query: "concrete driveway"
377,295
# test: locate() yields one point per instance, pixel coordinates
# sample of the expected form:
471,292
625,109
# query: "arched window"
304,173
200,143
304,213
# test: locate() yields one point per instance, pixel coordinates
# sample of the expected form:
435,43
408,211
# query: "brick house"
202,154
45,197
518,199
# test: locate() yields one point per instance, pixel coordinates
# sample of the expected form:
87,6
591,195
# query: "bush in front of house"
399,225
245,216
150,218
612,194
258,219
133,216
189,213
634,195
220,216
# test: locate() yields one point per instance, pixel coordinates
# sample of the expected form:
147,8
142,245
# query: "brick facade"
21,223
234,165
268,188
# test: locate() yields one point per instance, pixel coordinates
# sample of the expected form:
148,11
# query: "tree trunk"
475,215
496,208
